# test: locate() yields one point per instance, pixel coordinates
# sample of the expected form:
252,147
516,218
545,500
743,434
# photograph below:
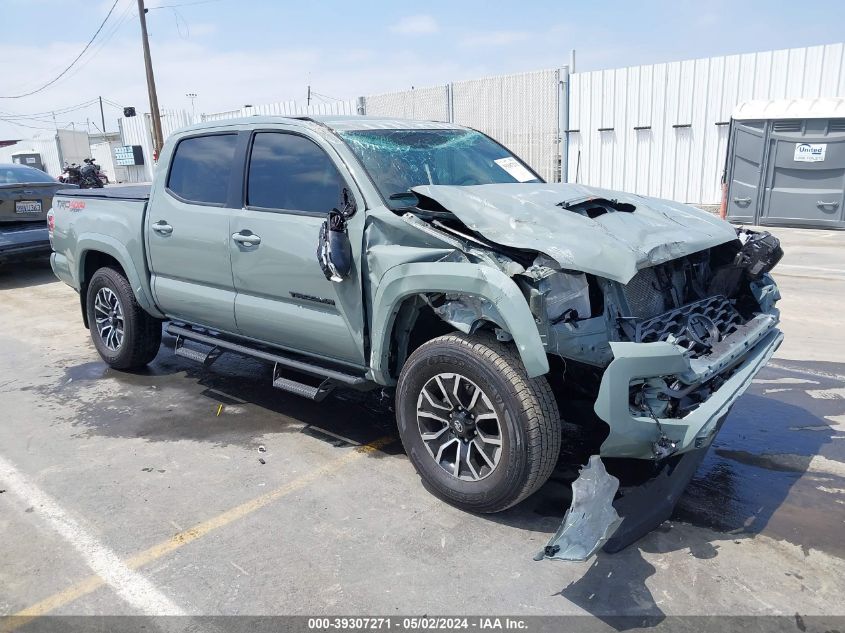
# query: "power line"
61,74
105,39
319,94
47,113
182,4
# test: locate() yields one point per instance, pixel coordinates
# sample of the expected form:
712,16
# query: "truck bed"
127,192
82,220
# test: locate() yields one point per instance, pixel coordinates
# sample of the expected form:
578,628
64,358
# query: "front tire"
482,435
126,337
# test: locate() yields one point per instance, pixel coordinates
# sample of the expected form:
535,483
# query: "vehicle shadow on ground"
734,495
24,274
236,406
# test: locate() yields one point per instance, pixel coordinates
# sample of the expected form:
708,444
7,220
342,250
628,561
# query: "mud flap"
591,518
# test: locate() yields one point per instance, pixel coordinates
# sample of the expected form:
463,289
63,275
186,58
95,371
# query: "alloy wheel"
459,426
108,313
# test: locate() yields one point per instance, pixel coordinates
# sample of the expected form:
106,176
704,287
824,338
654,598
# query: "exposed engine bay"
650,345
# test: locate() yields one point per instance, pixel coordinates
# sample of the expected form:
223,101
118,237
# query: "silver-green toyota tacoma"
426,259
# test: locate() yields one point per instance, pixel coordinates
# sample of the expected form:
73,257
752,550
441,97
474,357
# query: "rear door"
748,145
283,298
188,232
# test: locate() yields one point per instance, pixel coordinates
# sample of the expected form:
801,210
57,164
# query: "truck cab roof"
336,123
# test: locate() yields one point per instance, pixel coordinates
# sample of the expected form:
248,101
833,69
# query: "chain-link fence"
427,104
520,111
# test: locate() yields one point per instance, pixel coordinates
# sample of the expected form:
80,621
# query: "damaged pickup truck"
426,260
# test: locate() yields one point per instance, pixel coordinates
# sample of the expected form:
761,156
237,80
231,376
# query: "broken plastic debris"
591,518
219,409
261,448
261,460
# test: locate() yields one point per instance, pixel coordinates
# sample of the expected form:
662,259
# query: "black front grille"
644,296
680,324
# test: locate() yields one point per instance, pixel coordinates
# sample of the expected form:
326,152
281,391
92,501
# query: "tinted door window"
201,167
287,171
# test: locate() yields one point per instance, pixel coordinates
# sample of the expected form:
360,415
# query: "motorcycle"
87,176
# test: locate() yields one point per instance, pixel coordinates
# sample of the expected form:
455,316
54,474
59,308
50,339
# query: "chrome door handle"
742,200
162,228
832,205
246,239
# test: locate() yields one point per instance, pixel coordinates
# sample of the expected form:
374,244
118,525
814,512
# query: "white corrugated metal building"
662,129
658,129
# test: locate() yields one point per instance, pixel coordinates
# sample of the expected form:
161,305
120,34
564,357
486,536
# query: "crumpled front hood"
613,245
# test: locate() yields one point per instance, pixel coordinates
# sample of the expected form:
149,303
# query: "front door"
188,233
747,146
283,298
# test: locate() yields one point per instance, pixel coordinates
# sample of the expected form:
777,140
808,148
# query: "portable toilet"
30,159
786,163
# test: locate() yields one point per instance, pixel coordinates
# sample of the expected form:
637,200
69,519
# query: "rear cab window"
201,167
288,172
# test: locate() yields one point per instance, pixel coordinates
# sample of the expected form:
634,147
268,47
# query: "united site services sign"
810,152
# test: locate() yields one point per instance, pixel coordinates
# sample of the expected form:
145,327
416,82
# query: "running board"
206,358
317,394
223,345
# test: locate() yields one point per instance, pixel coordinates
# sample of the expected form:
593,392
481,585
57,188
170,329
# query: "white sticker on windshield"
515,169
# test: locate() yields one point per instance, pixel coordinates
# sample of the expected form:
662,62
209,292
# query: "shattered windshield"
398,160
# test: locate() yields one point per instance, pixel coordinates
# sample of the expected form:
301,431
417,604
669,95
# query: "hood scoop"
594,206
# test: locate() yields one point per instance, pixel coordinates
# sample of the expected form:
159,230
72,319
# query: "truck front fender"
462,278
139,280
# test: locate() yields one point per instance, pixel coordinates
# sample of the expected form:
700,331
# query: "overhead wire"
61,74
45,113
103,41
182,4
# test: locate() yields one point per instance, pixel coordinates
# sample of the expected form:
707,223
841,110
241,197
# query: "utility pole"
158,141
102,118
192,96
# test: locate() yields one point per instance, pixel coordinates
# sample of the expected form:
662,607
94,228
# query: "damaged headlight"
566,296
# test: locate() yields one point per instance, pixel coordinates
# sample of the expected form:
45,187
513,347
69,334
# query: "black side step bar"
200,356
221,344
317,393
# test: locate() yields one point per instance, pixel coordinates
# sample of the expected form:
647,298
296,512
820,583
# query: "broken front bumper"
634,435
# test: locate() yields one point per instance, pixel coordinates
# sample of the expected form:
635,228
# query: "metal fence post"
361,105
450,101
563,125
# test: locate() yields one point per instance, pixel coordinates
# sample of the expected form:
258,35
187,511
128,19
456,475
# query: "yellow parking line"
184,537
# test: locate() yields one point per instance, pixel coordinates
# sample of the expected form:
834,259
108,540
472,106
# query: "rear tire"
126,337
445,426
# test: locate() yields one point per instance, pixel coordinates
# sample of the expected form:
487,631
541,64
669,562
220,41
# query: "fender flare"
88,242
406,280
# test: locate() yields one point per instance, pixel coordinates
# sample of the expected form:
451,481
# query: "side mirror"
334,249
340,252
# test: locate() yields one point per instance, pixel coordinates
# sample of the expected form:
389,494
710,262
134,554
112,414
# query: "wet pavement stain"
758,477
162,403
